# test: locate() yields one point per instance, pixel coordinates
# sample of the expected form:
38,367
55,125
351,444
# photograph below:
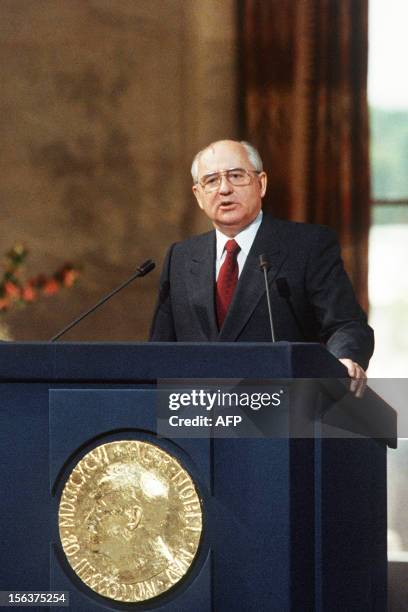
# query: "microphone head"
146,267
263,261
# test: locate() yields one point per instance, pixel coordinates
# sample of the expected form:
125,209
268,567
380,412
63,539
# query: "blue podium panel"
98,416
253,557
352,527
24,490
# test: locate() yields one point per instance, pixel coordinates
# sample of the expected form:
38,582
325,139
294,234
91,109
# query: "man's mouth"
226,204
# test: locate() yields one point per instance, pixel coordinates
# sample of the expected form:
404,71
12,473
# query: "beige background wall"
102,106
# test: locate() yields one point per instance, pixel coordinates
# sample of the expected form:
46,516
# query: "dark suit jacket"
311,294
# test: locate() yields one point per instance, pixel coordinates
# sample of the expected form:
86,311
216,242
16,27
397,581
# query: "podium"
289,523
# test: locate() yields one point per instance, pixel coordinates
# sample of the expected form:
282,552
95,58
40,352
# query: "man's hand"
358,376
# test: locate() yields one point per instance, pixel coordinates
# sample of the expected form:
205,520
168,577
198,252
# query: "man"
212,287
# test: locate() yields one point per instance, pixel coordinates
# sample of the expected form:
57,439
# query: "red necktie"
227,281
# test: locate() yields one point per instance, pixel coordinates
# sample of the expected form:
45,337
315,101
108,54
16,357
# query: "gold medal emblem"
130,520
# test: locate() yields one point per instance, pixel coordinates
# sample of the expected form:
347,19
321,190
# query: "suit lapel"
251,284
200,284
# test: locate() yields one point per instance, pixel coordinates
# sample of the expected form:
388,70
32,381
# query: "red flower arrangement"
16,291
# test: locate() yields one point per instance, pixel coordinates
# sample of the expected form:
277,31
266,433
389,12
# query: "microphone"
142,270
264,265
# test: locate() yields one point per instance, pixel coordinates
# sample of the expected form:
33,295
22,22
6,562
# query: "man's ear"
263,181
198,195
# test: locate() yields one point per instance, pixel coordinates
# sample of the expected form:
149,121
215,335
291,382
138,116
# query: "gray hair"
253,157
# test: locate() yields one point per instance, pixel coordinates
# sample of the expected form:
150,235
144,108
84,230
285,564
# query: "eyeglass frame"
222,173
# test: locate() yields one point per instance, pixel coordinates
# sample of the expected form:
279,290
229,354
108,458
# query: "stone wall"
103,105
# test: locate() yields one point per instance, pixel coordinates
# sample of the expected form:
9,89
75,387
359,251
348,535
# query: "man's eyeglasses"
236,176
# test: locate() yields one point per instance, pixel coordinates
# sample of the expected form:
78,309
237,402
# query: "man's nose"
225,186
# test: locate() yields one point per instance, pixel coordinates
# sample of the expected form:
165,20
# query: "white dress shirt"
244,239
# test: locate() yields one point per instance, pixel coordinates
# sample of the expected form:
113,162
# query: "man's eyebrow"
226,170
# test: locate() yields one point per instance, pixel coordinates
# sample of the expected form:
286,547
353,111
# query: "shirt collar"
244,239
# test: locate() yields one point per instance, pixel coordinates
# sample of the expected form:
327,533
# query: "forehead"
222,156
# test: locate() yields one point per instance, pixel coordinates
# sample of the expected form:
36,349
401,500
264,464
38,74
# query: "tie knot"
231,246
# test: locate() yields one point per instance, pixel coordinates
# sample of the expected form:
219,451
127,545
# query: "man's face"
230,208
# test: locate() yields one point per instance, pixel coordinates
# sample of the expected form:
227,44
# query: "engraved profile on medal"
125,523
130,520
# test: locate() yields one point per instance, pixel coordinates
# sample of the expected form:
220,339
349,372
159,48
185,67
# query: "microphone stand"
144,269
264,264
